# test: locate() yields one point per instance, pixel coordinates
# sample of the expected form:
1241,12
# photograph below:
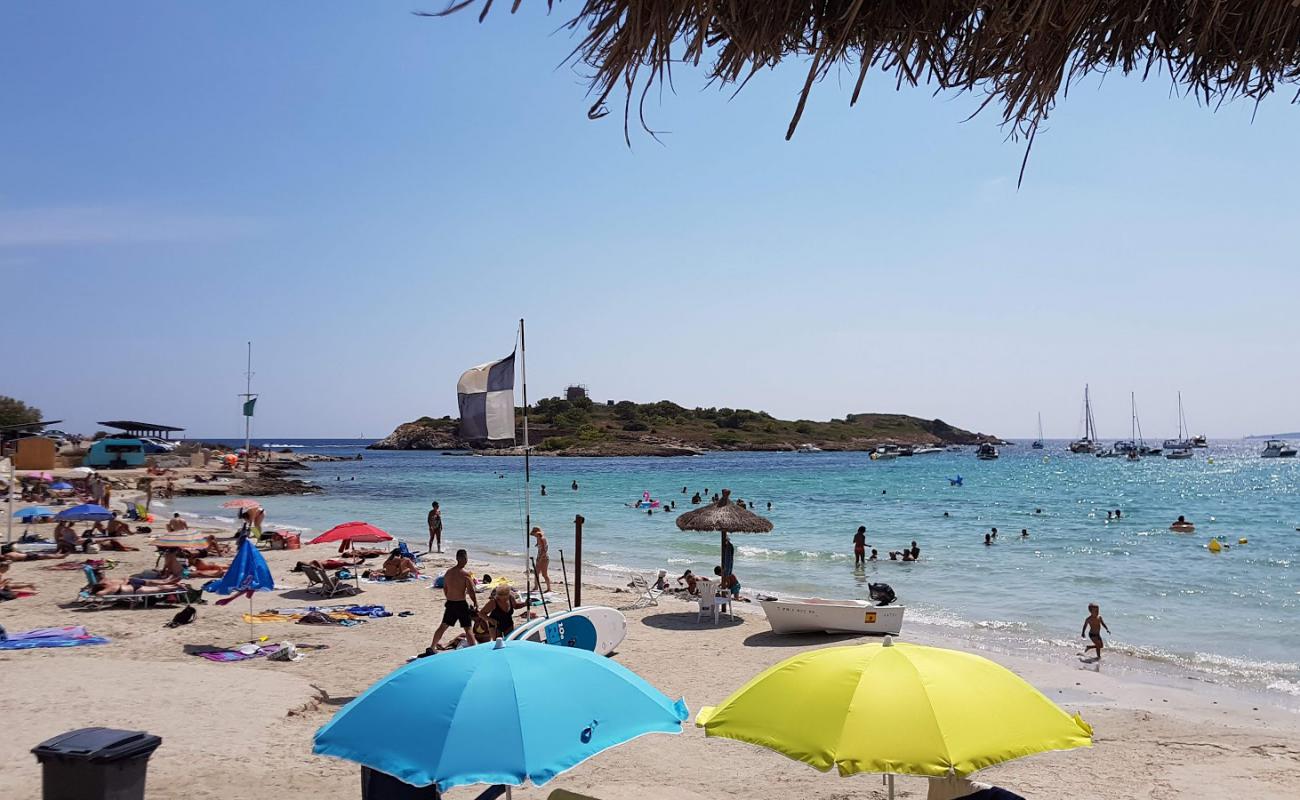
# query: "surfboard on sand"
599,629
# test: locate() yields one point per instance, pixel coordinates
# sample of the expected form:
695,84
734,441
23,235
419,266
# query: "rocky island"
581,427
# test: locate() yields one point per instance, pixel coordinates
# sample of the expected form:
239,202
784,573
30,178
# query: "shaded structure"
1019,53
724,517
138,430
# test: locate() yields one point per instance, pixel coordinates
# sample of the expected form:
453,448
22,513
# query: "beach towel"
247,652
15,594
369,611
373,579
70,636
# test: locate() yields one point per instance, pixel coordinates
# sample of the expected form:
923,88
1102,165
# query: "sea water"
1232,617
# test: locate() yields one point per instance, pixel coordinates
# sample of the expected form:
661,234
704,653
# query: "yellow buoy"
1214,546
1241,541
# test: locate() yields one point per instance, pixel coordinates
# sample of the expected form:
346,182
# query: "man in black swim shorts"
462,603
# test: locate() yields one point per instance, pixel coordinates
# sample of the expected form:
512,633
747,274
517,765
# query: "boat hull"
832,616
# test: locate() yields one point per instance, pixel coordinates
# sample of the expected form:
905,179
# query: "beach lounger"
87,597
647,595
329,586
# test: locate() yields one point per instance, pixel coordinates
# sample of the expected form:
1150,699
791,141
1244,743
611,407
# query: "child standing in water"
1092,626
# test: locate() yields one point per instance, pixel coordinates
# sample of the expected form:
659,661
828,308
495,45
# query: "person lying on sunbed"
362,553
207,569
398,567
7,583
110,544
102,586
8,553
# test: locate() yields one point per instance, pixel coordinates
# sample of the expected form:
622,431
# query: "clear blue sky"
375,199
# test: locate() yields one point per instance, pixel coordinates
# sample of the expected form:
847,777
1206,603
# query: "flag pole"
248,418
528,494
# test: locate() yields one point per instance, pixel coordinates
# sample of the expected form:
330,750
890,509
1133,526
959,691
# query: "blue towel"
71,636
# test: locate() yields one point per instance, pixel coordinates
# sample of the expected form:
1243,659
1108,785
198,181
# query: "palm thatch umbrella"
1019,53
725,517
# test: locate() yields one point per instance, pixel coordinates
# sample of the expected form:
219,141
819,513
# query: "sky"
375,199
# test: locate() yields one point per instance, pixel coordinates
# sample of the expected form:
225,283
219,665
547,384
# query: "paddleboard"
599,629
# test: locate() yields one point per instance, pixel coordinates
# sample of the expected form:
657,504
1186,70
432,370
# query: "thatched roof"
724,516
1020,53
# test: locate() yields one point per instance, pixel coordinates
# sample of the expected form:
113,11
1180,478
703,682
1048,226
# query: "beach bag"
183,617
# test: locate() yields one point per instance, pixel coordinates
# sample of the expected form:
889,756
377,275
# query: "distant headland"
581,427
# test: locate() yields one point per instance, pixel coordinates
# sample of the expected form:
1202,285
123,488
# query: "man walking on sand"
462,604
435,528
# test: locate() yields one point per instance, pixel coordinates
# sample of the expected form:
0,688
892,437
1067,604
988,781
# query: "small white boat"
925,451
1276,448
808,448
832,616
986,452
887,452
1179,454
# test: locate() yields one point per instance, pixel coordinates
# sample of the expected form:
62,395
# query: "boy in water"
1092,626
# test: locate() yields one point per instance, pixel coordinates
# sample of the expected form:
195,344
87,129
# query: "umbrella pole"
889,779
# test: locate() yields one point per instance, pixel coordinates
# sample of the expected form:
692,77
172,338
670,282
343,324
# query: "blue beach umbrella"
86,512
545,709
35,511
247,573
61,486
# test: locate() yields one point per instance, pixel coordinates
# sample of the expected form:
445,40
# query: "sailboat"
1088,444
1180,448
1038,443
1142,448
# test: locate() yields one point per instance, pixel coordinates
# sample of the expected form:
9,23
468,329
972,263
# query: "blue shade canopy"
248,572
61,486
35,511
506,713
86,512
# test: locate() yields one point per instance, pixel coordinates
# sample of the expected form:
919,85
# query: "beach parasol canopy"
1020,54
60,486
894,708
726,517
86,512
355,531
242,502
35,511
187,539
503,713
247,573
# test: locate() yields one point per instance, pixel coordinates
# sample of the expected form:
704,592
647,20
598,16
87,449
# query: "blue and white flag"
487,400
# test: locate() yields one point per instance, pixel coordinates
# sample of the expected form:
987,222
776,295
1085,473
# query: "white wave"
681,561
759,552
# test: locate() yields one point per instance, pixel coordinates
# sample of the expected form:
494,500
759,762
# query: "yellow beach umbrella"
896,709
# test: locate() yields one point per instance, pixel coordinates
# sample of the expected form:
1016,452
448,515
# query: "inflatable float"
646,502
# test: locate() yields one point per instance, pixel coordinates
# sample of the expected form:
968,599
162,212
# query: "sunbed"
87,596
647,595
323,583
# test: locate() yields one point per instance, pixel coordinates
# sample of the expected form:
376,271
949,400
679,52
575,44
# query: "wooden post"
577,559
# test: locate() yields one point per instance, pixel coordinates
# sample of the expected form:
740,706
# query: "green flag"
248,407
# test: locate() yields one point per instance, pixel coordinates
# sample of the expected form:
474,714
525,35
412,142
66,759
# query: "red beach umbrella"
353,531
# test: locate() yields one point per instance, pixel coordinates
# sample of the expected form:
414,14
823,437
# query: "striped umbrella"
182,540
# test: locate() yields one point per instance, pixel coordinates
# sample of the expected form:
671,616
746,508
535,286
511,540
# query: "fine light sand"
244,730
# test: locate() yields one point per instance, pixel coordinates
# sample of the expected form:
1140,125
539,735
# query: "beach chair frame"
323,583
647,595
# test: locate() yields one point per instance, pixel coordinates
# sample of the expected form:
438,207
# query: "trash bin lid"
98,744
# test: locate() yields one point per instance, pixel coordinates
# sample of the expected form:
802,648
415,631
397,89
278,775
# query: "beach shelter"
86,512
61,486
248,573
242,502
187,539
501,713
33,512
898,709
355,531
724,517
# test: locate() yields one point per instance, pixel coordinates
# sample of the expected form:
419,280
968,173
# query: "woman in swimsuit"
499,612
543,555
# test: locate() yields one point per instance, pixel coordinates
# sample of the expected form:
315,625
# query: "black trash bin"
95,764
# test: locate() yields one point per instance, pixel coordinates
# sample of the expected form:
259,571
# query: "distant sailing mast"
250,400
1038,443
1088,444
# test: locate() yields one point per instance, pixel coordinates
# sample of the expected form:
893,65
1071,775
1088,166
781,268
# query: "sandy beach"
245,729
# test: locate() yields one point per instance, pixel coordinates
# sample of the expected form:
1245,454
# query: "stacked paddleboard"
599,629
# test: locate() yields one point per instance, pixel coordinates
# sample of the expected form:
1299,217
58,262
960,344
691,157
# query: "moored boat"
815,615
1088,443
986,452
1276,448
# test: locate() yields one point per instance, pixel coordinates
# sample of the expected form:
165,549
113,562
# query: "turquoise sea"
1231,617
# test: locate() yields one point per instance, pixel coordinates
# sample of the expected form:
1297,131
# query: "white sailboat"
1038,443
1087,444
1180,448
